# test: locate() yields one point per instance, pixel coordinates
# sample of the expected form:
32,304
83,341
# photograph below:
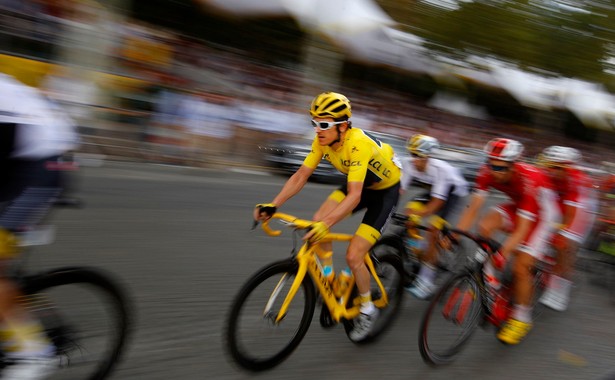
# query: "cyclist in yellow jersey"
373,185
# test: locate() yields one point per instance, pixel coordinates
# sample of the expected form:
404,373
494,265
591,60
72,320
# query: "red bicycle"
466,301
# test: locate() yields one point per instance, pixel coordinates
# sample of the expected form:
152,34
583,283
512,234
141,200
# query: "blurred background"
226,84
206,82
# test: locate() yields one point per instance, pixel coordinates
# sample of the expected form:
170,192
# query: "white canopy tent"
362,30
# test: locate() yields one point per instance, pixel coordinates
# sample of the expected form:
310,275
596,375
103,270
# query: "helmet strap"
339,134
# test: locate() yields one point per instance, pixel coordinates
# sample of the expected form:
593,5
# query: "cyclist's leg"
525,256
325,250
359,246
443,214
557,293
520,321
380,205
424,284
37,188
498,218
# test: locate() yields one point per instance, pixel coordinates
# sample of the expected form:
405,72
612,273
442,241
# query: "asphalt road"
180,241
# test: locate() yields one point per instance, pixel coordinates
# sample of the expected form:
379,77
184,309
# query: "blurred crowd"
149,93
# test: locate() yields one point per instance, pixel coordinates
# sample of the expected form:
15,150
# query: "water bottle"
342,282
415,245
492,282
492,276
480,255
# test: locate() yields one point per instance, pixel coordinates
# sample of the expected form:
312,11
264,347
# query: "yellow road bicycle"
273,310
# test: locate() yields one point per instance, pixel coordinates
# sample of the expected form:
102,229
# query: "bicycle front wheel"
254,339
390,271
85,315
450,319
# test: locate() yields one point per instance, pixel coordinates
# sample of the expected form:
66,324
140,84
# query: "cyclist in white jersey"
33,135
447,189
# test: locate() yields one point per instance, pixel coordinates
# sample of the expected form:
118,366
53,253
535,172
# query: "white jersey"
439,175
43,129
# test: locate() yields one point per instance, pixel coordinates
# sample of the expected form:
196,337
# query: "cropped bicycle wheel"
253,339
390,271
451,319
393,244
85,315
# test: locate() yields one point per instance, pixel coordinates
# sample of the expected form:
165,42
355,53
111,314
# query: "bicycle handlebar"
291,220
491,246
401,219
488,244
299,224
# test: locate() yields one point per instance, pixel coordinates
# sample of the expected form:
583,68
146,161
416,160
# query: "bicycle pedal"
326,320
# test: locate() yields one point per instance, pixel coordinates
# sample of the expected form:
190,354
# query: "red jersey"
573,190
608,185
525,188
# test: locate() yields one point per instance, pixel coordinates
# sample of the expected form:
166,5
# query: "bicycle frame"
308,263
498,307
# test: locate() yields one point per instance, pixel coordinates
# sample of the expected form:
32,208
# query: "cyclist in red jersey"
607,190
528,218
577,202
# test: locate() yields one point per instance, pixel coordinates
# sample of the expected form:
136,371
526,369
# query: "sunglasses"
417,155
499,168
324,125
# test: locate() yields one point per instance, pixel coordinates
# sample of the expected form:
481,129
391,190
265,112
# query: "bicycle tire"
390,271
62,288
457,305
393,244
238,348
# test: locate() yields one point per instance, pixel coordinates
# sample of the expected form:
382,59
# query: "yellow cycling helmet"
422,145
331,104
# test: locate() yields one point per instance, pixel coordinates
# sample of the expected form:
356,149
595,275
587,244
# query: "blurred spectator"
71,88
209,117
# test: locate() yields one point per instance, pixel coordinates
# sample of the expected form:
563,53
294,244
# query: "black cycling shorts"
379,205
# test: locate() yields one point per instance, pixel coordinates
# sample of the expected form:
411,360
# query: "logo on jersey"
349,163
377,166
354,149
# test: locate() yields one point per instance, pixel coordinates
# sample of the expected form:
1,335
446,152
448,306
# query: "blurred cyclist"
577,203
607,193
373,184
528,218
447,189
32,137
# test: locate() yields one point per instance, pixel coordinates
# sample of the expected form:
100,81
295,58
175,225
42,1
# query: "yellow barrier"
32,72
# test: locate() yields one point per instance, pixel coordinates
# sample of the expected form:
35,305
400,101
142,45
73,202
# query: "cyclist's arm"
520,232
471,212
293,185
439,190
432,207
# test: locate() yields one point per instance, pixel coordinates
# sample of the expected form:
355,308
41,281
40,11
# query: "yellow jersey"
362,157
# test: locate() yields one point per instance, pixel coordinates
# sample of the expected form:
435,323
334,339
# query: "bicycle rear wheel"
393,244
253,339
86,316
390,271
450,319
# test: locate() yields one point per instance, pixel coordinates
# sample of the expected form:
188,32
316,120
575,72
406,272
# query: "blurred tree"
570,38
